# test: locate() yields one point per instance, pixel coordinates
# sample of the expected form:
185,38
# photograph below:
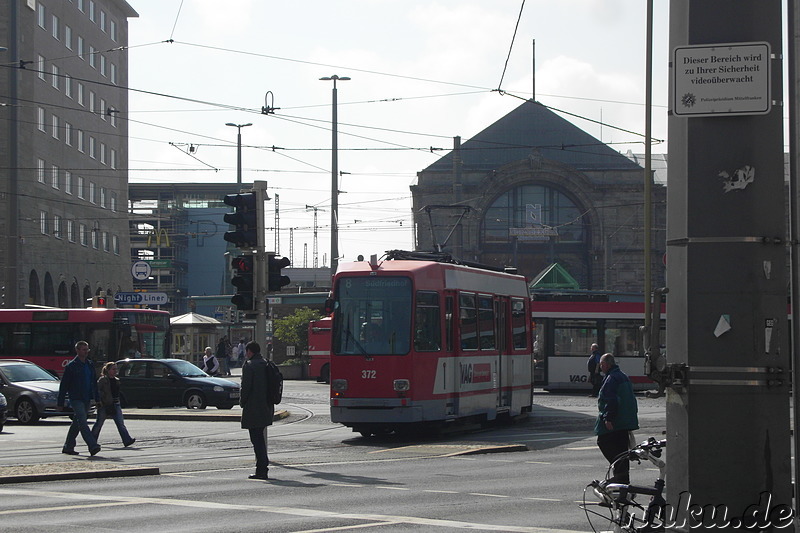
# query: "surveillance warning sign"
721,79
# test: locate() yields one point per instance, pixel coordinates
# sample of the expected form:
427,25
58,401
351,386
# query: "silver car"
31,391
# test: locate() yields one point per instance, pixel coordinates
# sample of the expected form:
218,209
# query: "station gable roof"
529,129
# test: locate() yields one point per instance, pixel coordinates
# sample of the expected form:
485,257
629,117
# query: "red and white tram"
428,342
564,331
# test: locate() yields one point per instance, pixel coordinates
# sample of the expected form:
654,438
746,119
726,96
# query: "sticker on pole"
721,79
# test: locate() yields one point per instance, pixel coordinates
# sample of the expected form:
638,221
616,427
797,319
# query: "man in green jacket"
257,407
617,418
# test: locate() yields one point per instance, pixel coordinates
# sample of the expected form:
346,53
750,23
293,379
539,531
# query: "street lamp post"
334,178
238,148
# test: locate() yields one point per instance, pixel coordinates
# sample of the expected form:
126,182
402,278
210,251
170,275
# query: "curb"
492,449
82,474
196,415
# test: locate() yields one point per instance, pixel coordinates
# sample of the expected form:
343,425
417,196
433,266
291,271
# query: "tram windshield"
372,316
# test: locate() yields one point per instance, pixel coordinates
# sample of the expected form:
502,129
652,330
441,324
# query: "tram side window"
574,337
622,338
518,321
427,330
486,322
468,314
448,322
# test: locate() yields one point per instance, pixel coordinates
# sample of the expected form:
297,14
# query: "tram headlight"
338,386
402,385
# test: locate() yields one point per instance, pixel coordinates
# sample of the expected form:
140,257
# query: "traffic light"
243,280
275,280
245,219
101,301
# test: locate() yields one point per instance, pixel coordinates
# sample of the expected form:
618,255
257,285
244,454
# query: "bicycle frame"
619,497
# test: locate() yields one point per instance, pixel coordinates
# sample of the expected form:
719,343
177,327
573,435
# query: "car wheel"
26,412
195,400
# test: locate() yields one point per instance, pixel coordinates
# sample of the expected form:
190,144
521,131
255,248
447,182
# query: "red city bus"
47,337
428,342
319,349
564,331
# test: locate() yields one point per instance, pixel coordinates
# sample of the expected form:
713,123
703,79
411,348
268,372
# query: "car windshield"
186,369
25,372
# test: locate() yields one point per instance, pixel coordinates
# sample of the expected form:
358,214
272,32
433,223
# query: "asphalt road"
323,476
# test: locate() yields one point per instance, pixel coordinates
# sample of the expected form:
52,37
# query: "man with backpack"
258,394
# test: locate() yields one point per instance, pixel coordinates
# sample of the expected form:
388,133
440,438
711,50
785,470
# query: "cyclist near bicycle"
618,416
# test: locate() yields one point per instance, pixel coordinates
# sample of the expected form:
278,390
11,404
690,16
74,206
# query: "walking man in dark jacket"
80,384
257,407
618,416
593,366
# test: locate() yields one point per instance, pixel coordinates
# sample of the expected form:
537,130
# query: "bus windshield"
372,316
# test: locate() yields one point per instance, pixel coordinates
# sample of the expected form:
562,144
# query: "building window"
103,153
40,119
81,147
105,241
80,6
113,73
54,176
103,65
68,133
71,230
113,114
114,202
115,244
92,192
68,85
82,235
112,26
92,102
95,239
80,93
91,10
44,223
102,109
40,170
40,16
68,37
80,187
54,70
40,66
55,126
68,182
81,50
92,152
92,54
103,197
57,227
55,27
113,159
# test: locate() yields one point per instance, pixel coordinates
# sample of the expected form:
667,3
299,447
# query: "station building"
533,190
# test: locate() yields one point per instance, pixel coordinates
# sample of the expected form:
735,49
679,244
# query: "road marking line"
292,511
488,495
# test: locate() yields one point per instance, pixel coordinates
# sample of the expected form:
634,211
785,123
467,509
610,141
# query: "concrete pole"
727,329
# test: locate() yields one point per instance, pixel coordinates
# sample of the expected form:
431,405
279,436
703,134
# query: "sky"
422,72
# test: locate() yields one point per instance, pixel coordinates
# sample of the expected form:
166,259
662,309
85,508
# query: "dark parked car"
171,382
3,412
31,391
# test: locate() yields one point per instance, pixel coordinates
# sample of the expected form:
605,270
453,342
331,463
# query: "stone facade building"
63,151
532,190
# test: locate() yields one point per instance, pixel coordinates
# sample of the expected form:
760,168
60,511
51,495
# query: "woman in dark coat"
257,408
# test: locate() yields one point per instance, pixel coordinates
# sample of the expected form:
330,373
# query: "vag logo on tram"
476,373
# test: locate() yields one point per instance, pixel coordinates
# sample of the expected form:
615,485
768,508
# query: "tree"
293,329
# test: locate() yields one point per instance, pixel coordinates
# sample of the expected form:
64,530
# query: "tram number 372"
368,374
